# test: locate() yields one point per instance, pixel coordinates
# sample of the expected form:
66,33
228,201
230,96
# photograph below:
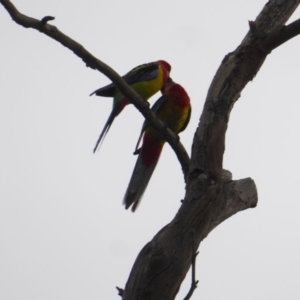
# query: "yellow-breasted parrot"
146,80
174,109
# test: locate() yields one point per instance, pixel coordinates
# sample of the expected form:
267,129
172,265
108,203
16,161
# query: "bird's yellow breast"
174,117
147,88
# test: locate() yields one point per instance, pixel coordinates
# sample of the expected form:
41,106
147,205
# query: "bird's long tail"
118,106
145,165
107,125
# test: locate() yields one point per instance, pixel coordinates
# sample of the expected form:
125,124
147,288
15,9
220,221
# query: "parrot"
146,80
174,109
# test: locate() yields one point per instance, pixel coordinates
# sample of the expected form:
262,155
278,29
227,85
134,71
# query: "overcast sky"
64,233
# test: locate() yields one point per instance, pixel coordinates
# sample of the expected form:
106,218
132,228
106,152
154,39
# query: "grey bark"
210,199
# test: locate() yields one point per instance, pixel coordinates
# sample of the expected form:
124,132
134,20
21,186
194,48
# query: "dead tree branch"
210,197
286,33
94,63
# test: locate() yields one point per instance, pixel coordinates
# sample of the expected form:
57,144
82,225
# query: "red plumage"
150,151
174,109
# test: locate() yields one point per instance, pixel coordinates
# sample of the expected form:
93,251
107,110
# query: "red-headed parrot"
174,109
145,79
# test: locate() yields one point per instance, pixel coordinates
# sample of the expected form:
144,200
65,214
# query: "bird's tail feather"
138,183
104,131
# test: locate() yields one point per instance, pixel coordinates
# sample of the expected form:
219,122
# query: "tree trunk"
210,197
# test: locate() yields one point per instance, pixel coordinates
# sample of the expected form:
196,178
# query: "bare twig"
46,19
94,63
120,291
252,25
195,282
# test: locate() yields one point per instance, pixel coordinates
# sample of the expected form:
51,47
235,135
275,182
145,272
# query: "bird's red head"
176,91
165,65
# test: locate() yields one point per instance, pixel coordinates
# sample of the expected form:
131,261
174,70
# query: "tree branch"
237,69
194,283
46,19
210,197
95,63
171,252
286,33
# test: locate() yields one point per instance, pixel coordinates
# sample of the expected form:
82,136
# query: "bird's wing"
187,120
142,73
106,91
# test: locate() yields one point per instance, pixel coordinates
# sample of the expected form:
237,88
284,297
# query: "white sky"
64,233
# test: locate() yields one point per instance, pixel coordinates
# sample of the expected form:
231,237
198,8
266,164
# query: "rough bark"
211,194
163,263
